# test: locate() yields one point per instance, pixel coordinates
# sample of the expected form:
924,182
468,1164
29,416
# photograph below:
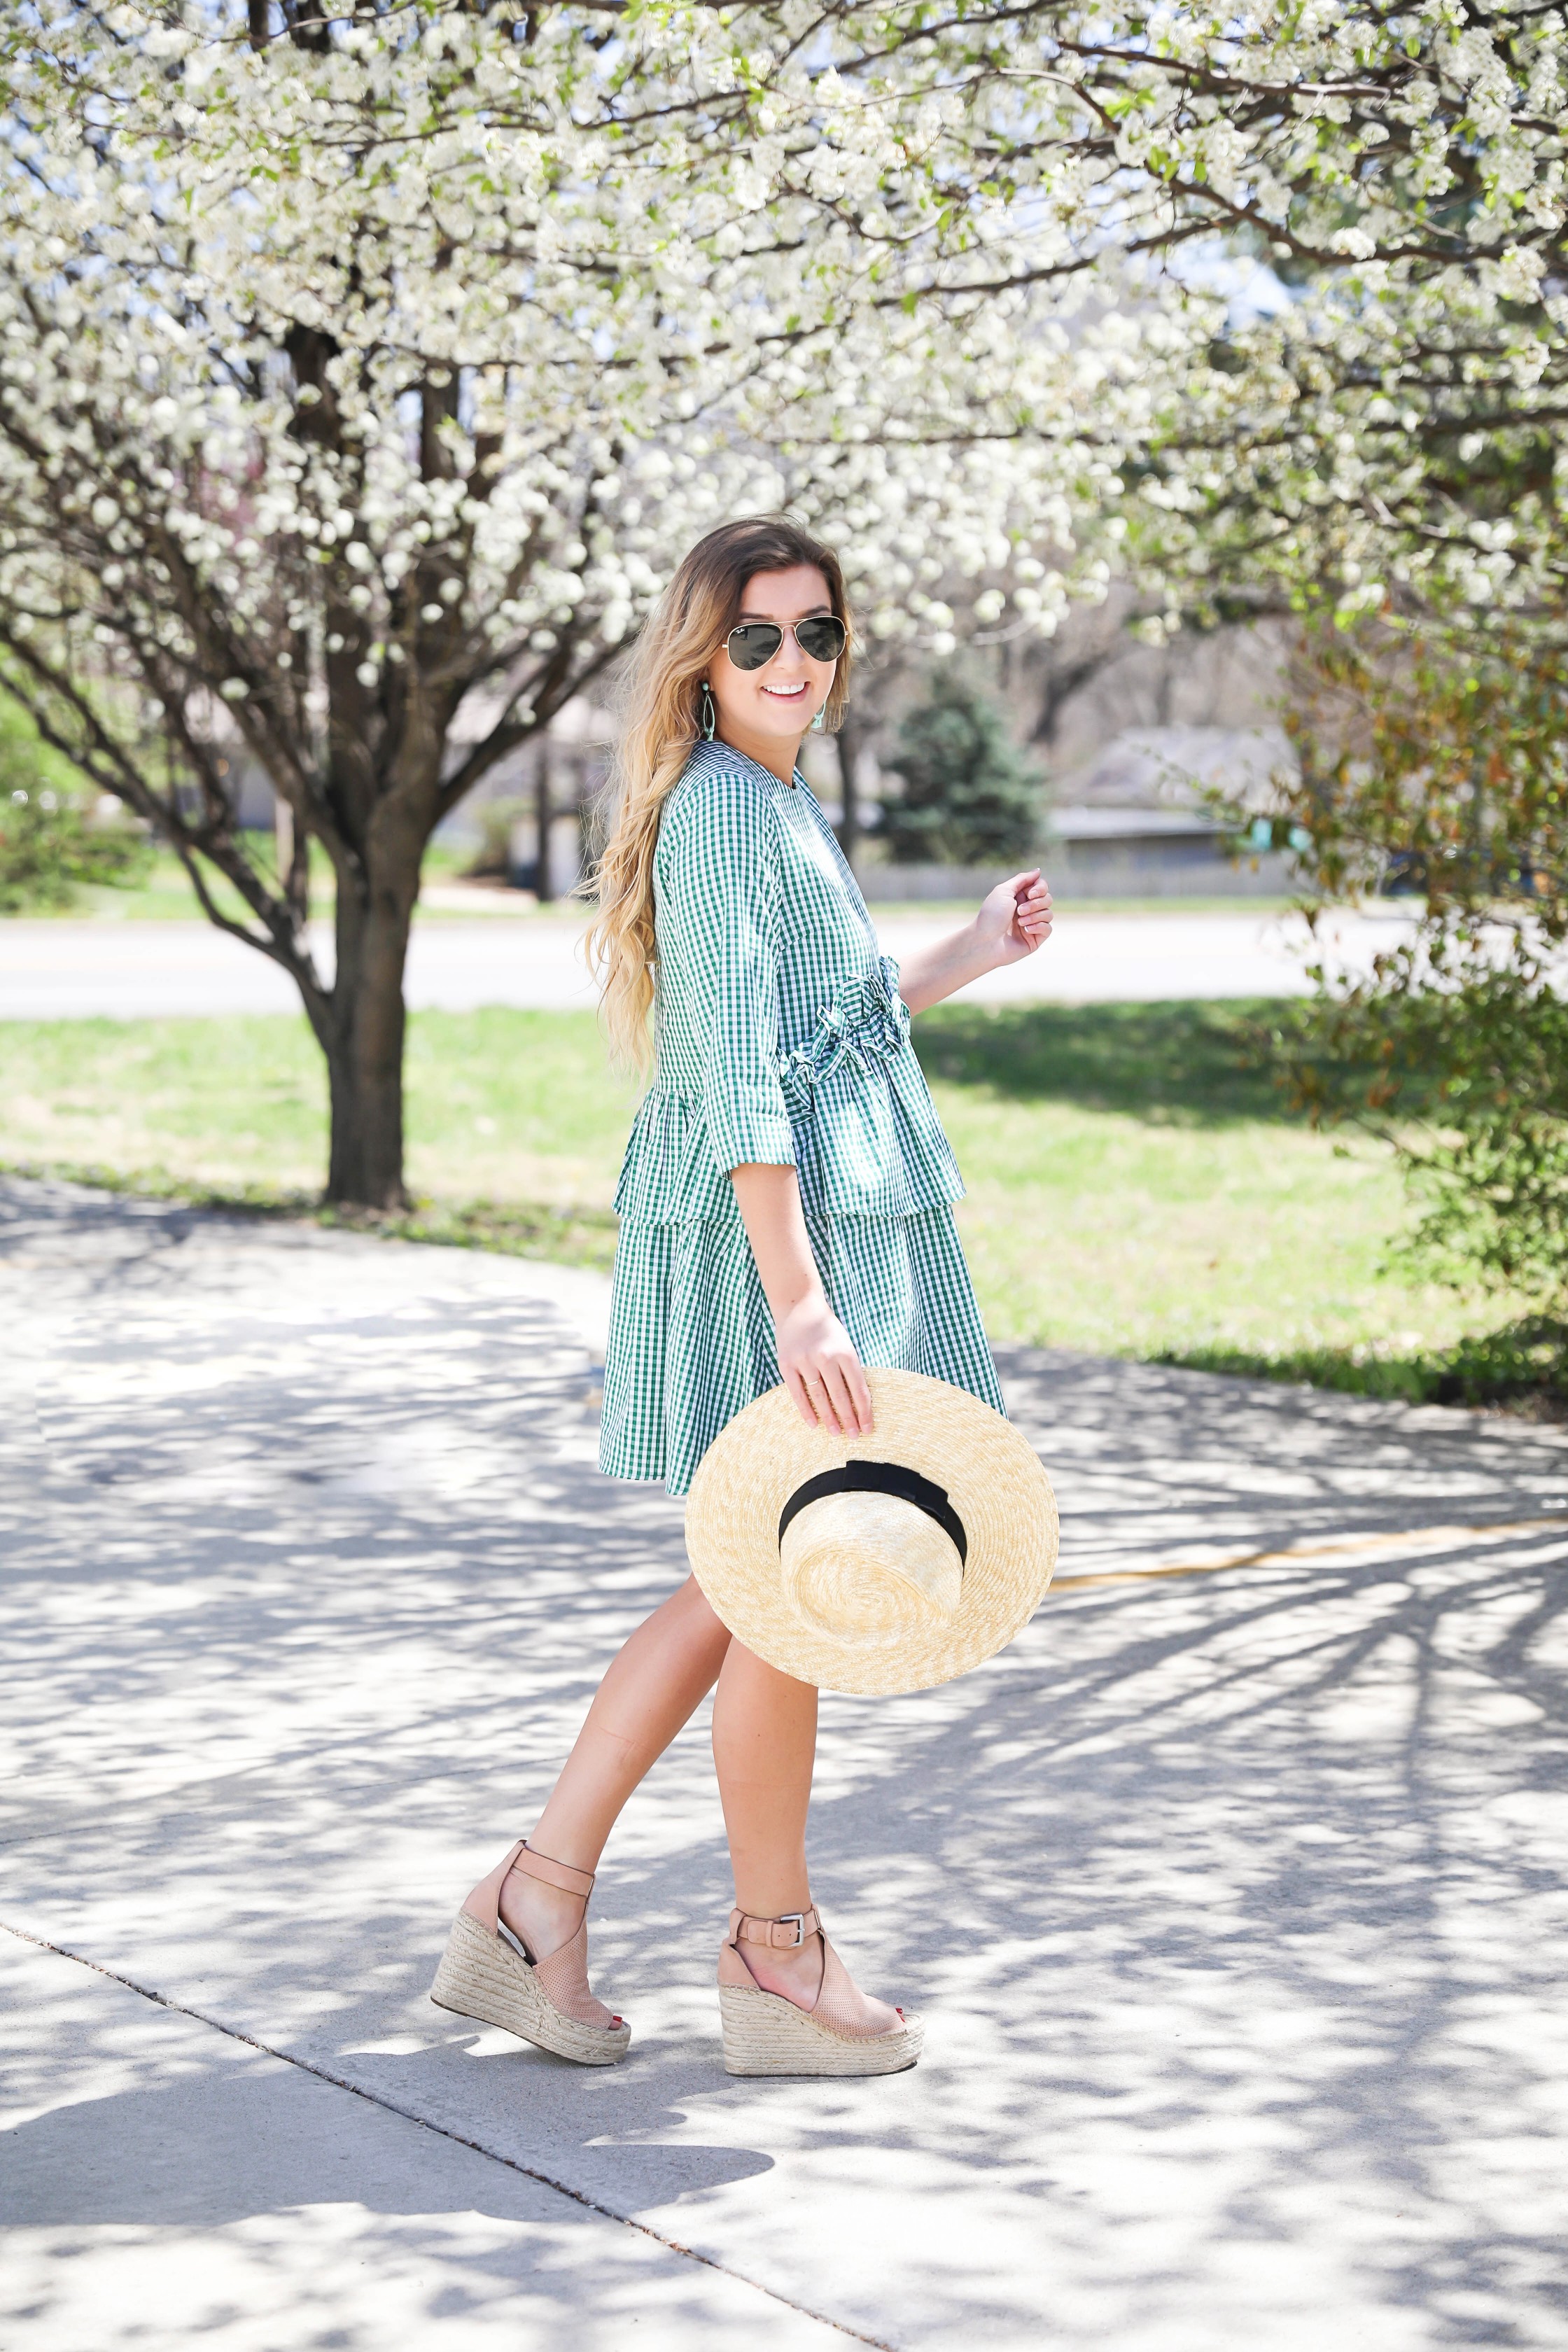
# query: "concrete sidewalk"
1233,1893
68,969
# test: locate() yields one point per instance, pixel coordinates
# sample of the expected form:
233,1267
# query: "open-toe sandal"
489,1973
764,2033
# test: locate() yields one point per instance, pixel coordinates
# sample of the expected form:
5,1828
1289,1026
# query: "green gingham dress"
781,1039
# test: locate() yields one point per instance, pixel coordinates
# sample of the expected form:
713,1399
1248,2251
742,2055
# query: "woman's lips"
786,693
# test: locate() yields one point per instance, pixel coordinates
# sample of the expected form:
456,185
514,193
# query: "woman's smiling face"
773,706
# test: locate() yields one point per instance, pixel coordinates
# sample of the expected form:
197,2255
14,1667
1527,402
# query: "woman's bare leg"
764,1745
655,1684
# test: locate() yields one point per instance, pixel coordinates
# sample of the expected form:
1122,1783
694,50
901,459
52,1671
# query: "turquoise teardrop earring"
707,716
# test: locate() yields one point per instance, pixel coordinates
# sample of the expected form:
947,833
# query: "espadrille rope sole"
766,2034
480,1975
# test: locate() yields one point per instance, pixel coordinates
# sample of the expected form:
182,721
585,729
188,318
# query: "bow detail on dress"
867,1140
864,1021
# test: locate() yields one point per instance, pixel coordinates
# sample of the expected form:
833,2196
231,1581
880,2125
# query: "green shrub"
50,841
1440,762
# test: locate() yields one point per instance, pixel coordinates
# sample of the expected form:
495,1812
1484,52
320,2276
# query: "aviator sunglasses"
755,643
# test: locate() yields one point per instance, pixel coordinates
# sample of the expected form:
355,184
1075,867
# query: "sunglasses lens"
755,643
822,640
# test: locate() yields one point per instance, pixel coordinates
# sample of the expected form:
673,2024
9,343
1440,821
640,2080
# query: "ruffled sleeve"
718,1102
719,944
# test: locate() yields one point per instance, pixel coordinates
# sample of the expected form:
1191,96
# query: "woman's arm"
1011,923
816,1356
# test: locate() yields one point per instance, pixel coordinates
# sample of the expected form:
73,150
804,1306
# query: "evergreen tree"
970,797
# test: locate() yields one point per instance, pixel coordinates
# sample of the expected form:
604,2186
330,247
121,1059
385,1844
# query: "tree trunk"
364,1053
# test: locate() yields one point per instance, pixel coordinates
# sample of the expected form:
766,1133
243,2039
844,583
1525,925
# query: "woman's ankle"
570,1843
785,1896
814,1979
795,1970
542,1917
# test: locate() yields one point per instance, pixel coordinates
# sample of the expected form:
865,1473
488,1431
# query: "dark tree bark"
364,1065
364,1037
1066,676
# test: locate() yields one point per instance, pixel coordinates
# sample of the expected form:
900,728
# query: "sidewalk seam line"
445,2131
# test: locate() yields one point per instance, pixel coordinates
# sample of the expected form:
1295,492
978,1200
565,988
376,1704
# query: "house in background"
1153,815
1158,813
1157,757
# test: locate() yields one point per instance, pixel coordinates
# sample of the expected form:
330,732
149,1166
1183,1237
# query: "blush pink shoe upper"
563,1974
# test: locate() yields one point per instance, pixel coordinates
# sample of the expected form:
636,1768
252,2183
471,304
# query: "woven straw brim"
994,1480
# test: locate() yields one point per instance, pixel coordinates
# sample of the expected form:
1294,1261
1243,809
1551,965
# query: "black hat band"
882,1478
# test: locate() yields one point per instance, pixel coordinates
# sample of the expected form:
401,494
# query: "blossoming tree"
354,373
361,371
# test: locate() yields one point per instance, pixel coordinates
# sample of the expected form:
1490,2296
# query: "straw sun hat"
873,1564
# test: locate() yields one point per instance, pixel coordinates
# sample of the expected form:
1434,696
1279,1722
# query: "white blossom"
376,367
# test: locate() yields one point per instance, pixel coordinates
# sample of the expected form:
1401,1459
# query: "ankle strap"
785,1934
553,1874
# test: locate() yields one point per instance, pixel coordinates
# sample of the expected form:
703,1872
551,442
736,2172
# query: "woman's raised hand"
1013,921
821,1369
1016,917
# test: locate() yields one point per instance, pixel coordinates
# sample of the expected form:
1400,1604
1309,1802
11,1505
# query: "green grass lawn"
1134,1187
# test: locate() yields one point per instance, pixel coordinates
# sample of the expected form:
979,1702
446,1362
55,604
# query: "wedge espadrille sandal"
766,2034
489,1973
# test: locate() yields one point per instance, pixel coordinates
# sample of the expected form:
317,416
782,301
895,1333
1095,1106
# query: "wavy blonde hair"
683,632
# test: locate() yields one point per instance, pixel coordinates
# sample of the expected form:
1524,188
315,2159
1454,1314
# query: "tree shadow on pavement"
1233,1898
227,2143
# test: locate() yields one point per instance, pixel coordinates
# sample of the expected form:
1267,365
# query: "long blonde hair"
683,634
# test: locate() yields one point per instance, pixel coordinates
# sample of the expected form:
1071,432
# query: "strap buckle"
799,1917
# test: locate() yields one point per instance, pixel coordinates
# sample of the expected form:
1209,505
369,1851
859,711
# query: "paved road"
1233,1892
51,971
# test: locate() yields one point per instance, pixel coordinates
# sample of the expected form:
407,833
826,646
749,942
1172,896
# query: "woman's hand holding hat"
880,1563
818,1365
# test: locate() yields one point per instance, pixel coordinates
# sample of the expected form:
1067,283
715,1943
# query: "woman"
786,1213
